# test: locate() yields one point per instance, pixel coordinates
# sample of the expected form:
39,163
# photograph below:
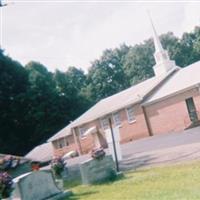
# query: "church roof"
41,153
111,104
125,98
183,79
62,133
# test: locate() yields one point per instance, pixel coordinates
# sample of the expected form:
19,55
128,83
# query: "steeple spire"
158,46
163,62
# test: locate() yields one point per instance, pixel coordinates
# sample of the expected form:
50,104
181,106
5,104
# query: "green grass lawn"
181,182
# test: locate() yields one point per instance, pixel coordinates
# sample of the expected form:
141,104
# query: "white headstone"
117,142
97,170
38,185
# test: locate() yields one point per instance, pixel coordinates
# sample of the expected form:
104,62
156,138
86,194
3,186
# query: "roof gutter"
106,113
172,95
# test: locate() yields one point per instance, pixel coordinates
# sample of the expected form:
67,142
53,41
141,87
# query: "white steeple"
158,46
163,62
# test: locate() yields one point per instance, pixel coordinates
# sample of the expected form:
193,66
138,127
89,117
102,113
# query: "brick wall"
128,131
61,151
134,130
64,150
87,143
171,115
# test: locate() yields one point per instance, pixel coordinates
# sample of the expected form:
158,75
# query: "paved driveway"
162,141
172,155
164,148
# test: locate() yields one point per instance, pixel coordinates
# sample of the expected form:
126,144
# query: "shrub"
57,165
98,153
6,184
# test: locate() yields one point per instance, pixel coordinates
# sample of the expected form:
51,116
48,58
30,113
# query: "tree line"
36,103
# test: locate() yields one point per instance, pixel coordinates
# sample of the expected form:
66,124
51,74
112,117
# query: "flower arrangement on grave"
9,162
98,153
6,185
35,165
57,165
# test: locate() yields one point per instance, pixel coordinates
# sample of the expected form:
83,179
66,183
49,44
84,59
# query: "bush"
57,165
6,184
98,153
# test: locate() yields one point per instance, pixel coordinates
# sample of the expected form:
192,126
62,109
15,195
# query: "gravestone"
98,170
22,168
38,185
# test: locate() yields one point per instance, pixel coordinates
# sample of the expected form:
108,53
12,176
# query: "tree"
196,44
13,86
106,75
69,86
189,47
42,117
139,61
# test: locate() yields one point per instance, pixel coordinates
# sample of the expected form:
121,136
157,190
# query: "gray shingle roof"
118,101
41,153
62,133
180,81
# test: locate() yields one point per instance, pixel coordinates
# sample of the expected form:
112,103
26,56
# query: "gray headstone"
38,185
95,171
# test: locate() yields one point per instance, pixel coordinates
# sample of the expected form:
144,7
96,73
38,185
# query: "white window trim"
61,143
101,122
128,119
82,136
118,112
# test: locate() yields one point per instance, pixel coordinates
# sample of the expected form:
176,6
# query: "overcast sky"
62,33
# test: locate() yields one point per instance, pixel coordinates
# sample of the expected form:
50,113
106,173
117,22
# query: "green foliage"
57,166
13,85
42,100
139,61
106,75
36,103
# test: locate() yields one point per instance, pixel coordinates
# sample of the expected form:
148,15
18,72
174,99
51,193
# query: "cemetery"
39,183
166,182
98,178
124,126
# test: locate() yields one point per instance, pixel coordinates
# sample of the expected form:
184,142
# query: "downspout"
147,122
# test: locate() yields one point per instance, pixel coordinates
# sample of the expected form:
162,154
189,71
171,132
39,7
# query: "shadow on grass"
71,184
133,163
110,180
81,194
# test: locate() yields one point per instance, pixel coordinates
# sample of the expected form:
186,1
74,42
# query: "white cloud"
65,34
191,16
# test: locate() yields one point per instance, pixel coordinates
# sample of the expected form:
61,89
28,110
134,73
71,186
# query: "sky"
63,33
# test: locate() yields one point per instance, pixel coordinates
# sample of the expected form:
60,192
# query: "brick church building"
168,102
